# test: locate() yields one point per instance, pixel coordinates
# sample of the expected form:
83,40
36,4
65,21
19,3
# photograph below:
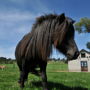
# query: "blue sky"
17,17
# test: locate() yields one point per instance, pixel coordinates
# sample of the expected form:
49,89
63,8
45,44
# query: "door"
84,66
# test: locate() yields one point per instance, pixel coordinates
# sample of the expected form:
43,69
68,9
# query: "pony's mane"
45,17
48,30
42,18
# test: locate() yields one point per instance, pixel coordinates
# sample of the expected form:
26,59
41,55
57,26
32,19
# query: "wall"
74,66
89,66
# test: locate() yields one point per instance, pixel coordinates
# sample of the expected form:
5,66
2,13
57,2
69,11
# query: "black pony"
35,47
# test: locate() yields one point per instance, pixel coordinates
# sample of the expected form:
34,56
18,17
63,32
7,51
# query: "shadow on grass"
58,86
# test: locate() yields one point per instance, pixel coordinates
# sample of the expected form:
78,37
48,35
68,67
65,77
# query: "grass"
56,80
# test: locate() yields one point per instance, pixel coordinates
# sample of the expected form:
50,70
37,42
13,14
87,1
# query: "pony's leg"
20,69
24,74
21,74
19,81
43,75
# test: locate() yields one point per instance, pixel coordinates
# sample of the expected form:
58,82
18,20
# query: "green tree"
83,25
88,45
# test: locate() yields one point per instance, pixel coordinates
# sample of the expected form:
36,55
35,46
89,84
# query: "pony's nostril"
77,53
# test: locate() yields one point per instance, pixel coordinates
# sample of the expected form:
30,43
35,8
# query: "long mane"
48,30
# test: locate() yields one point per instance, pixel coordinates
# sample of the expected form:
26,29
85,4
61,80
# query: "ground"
58,78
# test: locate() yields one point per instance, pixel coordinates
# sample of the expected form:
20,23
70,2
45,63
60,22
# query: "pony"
2,67
33,50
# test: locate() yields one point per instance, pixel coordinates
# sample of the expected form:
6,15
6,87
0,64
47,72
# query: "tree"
88,45
83,26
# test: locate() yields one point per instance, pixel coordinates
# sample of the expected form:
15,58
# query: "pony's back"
22,46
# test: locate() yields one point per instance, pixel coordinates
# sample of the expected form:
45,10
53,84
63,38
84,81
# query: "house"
82,63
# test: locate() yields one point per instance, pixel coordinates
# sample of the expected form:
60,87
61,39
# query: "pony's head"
64,37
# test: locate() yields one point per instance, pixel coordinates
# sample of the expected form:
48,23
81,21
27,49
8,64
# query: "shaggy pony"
35,47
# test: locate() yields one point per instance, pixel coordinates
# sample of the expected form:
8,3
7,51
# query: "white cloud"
15,22
17,1
13,25
7,52
41,6
35,5
24,29
16,16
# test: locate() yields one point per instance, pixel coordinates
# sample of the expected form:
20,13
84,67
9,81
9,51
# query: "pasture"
58,78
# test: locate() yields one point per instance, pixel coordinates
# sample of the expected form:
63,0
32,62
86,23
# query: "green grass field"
58,78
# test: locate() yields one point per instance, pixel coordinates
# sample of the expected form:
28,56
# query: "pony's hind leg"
23,78
20,69
23,74
19,81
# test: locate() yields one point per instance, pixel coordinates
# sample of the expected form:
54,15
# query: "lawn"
58,78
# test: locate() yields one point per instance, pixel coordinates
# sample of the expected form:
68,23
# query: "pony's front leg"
44,76
44,80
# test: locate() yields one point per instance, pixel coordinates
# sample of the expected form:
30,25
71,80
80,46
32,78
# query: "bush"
4,60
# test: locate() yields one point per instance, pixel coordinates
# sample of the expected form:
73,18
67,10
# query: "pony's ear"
61,17
73,21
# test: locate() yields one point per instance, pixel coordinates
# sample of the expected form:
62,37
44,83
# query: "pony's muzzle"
70,57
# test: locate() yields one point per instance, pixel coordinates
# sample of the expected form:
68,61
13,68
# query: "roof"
83,50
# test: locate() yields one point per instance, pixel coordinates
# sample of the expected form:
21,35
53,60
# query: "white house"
82,63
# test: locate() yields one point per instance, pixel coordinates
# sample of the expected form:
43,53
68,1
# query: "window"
83,55
84,64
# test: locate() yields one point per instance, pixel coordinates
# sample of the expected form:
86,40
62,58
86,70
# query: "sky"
18,16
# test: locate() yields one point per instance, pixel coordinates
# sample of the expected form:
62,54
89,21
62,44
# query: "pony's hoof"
21,86
19,81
